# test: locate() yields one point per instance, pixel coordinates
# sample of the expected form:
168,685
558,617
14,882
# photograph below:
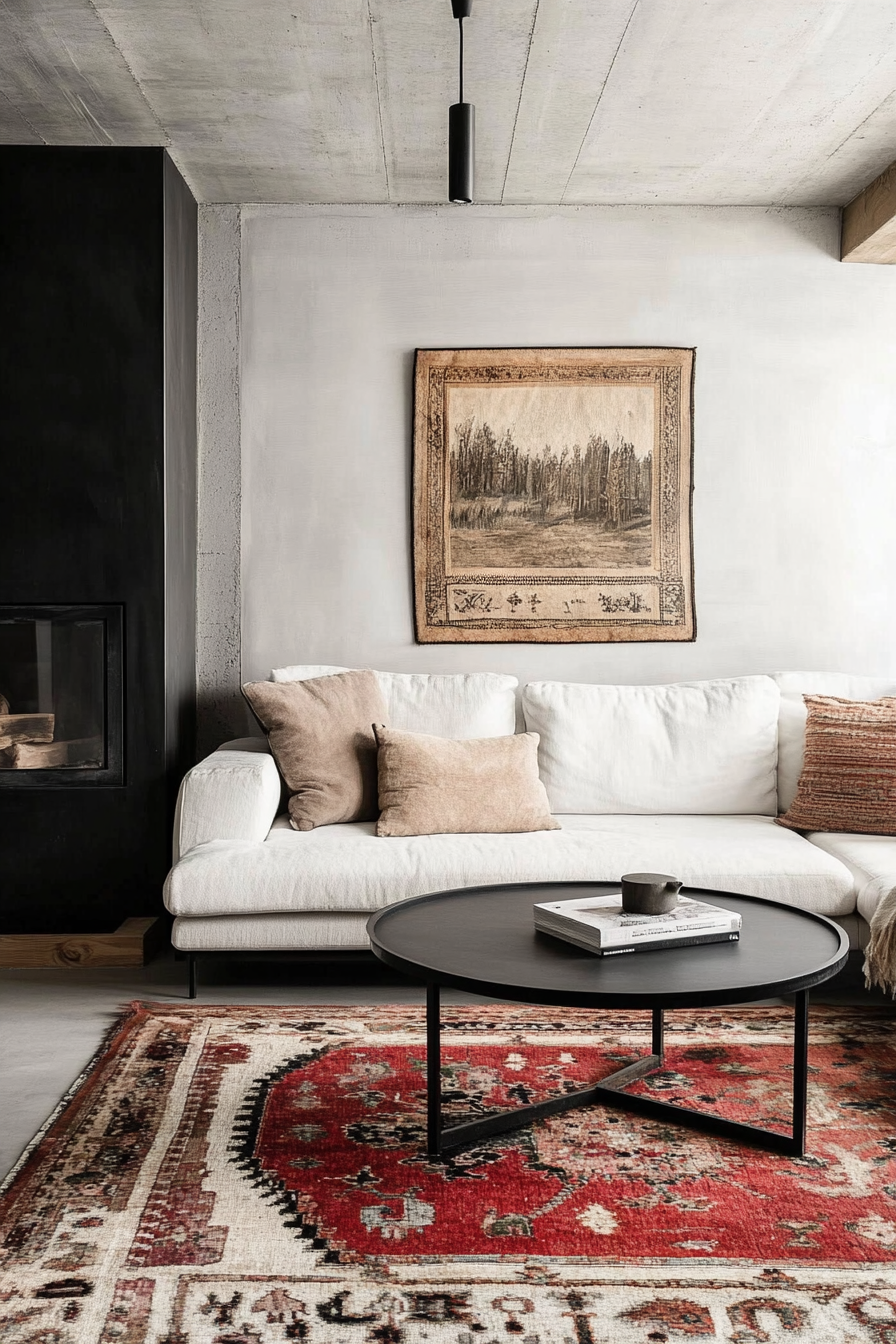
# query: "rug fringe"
127,1017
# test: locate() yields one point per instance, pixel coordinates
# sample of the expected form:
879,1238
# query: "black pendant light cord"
460,80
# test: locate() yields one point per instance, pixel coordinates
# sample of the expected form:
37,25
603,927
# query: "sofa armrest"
234,794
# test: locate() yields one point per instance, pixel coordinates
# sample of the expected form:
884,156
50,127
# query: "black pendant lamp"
461,132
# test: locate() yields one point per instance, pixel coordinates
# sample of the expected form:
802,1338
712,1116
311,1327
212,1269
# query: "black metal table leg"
433,1073
658,1046
609,1092
800,1069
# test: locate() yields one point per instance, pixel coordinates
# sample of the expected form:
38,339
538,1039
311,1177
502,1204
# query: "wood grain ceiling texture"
577,101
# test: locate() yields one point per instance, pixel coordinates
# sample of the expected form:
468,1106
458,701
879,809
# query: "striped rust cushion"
849,768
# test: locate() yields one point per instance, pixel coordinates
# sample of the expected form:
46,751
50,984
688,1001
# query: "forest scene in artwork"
557,478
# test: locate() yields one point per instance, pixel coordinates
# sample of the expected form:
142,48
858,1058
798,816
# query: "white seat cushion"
870,858
462,705
348,868
792,716
696,747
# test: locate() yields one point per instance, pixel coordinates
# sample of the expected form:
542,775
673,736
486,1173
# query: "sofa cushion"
469,704
870,858
321,734
706,747
348,868
792,716
848,782
438,785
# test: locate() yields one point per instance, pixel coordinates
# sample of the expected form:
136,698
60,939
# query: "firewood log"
26,728
31,756
84,751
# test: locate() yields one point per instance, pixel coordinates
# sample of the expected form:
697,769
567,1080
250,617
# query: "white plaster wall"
795,424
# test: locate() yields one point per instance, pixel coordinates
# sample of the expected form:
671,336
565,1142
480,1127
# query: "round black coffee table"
482,939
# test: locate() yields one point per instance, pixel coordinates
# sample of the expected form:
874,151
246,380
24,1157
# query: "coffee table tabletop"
483,939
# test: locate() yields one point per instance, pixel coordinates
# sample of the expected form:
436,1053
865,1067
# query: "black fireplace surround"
98,545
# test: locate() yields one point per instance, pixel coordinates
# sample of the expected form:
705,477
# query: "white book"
601,922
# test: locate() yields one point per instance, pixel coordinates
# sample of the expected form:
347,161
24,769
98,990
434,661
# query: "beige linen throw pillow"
437,785
321,734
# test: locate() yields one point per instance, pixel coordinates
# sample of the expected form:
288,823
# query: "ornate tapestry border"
622,605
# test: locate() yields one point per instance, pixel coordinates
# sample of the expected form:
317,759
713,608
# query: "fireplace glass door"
60,696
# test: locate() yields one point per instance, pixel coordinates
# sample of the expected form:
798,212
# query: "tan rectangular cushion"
321,734
848,781
438,786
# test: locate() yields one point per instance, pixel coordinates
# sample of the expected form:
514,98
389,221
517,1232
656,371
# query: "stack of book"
600,925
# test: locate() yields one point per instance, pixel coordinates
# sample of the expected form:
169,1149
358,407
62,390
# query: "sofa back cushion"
696,747
470,704
792,716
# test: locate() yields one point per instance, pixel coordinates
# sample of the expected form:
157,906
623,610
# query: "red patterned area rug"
252,1175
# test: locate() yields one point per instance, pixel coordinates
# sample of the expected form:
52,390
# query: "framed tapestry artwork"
552,495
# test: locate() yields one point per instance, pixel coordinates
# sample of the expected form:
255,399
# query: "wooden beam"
868,231
132,944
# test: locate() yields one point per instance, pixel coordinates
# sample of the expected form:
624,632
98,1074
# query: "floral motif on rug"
252,1175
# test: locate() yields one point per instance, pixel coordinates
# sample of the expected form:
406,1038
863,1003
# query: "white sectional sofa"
685,779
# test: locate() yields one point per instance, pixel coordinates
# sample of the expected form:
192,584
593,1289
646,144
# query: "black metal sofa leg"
191,963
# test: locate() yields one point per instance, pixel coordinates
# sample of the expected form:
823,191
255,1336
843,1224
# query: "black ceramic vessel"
649,893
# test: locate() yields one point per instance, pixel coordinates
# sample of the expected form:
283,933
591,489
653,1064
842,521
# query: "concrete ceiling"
577,101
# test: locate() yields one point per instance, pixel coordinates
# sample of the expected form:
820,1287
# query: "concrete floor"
54,1021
